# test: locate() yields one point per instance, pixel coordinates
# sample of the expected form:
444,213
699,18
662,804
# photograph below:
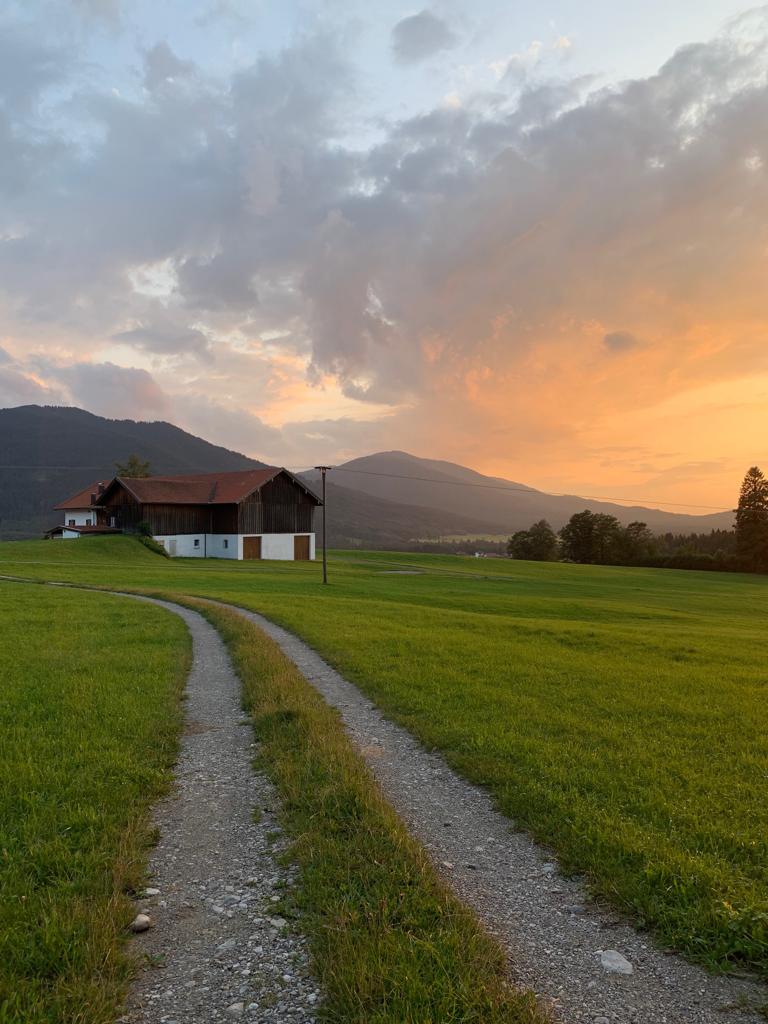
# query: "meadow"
89,718
619,715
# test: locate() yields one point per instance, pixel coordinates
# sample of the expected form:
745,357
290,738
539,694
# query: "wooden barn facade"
259,513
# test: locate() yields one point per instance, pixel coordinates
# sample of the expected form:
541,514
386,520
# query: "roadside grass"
89,718
390,944
619,715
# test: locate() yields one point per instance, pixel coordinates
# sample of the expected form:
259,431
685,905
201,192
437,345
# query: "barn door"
301,549
251,547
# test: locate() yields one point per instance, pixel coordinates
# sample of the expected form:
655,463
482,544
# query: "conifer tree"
133,468
752,519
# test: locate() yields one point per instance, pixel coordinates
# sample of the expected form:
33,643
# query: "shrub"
153,545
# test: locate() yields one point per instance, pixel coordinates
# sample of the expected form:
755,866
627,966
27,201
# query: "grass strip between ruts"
390,944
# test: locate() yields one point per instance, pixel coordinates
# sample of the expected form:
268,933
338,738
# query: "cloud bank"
505,281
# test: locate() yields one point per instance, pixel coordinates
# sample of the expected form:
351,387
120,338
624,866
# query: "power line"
526,490
456,483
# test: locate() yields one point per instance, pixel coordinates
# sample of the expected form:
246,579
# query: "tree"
537,544
607,539
752,519
636,541
592,537
133,468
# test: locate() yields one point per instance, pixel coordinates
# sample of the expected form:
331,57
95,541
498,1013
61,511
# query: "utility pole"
323,470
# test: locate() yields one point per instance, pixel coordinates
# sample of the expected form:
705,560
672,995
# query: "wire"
653,502
526,490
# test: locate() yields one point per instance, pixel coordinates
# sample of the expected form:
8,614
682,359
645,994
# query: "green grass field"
89,715
620,715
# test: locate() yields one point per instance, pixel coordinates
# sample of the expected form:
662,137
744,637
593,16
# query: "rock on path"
590,966
217,949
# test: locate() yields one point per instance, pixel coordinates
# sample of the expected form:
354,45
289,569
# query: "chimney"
93,499
100,488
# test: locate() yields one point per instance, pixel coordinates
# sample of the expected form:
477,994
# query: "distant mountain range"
503,505
382,500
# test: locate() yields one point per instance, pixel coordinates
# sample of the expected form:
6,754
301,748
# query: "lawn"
89,717
620,715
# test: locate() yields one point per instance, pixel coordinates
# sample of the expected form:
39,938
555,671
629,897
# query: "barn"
256,513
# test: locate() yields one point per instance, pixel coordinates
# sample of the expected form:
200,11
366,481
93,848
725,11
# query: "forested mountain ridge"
48,453
387,499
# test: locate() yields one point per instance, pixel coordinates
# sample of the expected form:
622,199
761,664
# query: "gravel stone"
141,923
217,870
613,962
550,936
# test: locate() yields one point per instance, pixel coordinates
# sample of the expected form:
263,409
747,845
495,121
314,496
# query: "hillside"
381,500
400,477
48,453
356,519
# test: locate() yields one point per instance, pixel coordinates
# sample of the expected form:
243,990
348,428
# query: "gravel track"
219,949
553,933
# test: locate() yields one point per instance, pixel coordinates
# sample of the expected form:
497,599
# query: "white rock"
151,892
141,923
278,922
236,1010
613,962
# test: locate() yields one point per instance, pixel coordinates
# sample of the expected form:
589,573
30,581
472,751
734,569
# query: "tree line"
599,539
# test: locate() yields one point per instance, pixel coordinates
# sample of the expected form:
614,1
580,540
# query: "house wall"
210,545
82,516
277,546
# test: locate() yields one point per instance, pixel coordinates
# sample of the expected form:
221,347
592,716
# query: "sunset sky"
530,238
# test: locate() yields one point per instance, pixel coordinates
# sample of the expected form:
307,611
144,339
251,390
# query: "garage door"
251,547
301,549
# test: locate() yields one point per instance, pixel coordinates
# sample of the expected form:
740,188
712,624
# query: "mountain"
48,453
383,500
503,505
359,520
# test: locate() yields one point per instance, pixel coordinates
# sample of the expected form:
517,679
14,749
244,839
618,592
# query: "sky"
528,238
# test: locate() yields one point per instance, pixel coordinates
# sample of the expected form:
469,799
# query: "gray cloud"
420,36
165,338
162,67
103,10
18,389
114,391
460,242
620,341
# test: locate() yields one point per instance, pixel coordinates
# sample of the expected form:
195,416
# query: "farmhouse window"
197,542
226,543
87,522
71,522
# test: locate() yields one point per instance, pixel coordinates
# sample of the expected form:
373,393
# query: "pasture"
89,716
619,715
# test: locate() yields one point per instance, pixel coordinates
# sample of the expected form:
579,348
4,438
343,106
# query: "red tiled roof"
82,499
202,488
